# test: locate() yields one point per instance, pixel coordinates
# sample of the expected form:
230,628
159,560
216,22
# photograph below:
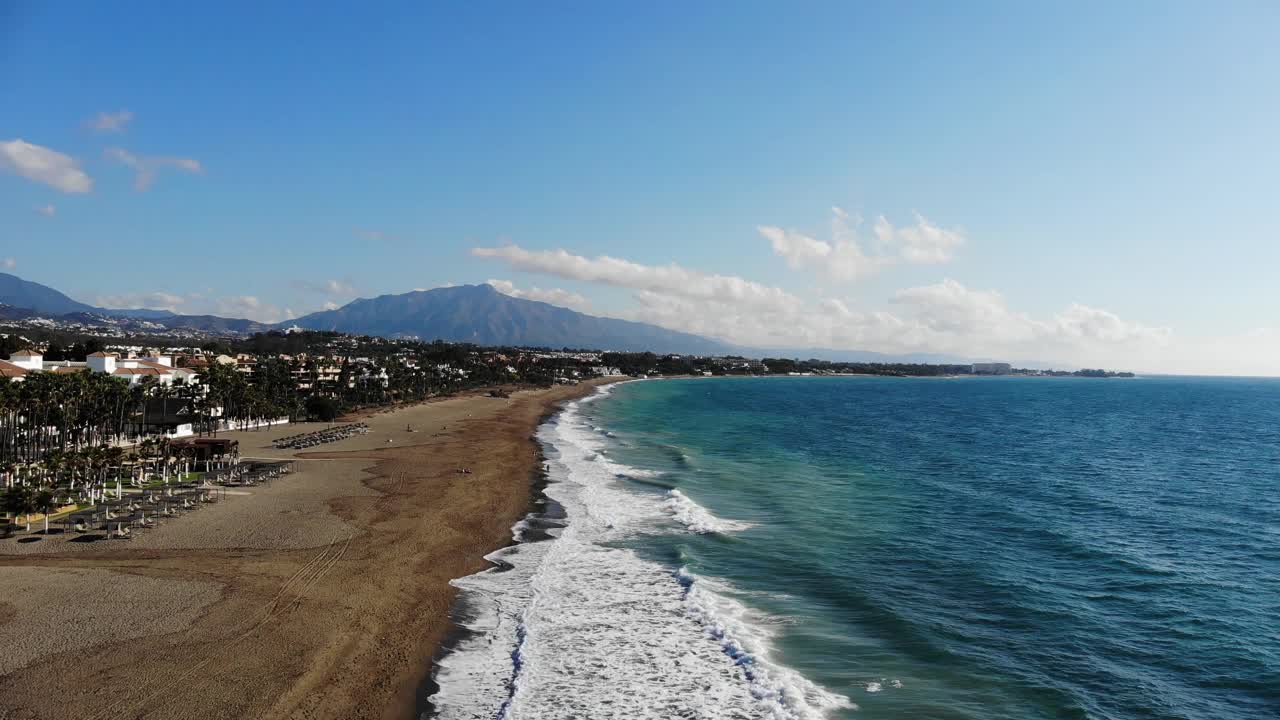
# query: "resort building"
28,360
11,371
991,369
132,369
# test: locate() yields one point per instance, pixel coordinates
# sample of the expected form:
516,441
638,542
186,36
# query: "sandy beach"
321,595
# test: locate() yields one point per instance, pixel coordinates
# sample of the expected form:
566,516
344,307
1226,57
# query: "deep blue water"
1017,548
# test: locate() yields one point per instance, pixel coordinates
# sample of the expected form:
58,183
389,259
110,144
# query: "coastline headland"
322,595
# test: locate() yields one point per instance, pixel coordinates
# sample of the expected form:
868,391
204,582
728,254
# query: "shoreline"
541,507
287,625
426,687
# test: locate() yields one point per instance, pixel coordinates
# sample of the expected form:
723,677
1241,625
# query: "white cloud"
840,259
234,306
552,296
843,257
1252,352
337,287
331,305
800,251
8,263
251,308
46,210
147,166
666,279
158,300
923,242
836,307
949,307
980,322
327,287
945,318
1086,323
109,122
43,165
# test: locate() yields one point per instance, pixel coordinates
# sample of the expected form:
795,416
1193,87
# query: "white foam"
744,635
697,518
579,627
642,474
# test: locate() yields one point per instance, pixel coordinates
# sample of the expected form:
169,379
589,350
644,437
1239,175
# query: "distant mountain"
469,313
39,298
213,324
141,314
482,315
8,312
42,299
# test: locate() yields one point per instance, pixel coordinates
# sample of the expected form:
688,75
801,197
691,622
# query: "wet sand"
321,595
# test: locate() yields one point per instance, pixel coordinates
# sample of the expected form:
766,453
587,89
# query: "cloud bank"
946,317
665,279
232,306
552,296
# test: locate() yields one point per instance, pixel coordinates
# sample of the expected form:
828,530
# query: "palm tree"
42,500
20,499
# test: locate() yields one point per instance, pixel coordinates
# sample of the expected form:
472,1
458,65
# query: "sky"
1086,183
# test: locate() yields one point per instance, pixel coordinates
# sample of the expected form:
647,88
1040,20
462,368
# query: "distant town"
179,389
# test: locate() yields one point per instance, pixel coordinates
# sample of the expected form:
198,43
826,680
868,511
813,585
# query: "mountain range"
480,314
467,313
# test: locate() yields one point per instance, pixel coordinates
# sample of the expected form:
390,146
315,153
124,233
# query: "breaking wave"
579,626
697,518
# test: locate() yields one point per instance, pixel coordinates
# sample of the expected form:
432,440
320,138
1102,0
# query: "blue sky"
1080,183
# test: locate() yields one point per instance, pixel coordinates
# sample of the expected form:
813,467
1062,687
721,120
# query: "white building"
991,369
28,360
133,370
12,372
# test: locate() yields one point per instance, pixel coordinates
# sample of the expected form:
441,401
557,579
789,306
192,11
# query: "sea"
1004,548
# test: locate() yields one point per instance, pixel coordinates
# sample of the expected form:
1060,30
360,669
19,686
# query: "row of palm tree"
85,476
58,412
61,436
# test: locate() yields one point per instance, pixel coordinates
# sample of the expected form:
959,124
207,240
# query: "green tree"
324,409
19,500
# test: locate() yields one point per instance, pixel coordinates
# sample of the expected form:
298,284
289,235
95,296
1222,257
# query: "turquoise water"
896,548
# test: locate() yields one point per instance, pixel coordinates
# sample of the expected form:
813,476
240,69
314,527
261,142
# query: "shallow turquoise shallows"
1002,548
